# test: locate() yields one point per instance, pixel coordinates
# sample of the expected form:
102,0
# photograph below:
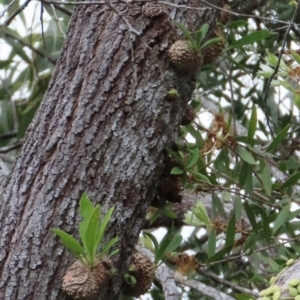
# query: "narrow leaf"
278,139
107,246
102,227
250,244
219,255
292,180
230,234
266,226
281,218
185,32
210,43
86,206
113,253
250,39
193,158
251,215
245,156
91,234
86,209
252,126
176,171
211,244
169,243
195,134
70,243
152,238
296,56
266,179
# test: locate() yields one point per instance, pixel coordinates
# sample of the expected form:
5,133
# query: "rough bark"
102,128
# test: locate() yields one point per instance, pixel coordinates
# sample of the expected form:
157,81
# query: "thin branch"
277,67
226,283
11,147
248,16
8,135
234,257
10,18
38,52
57,21
202,288
63,9
7,158
7,8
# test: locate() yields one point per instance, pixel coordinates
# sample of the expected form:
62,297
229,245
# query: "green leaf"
250,39
102,227
281,218
175,243
266,226
246,169
201,213
245,156
168,212
107,246
70,243
266,179
185,32
91,234
86,209
292,180
176,171
217,203
238,208
250,244
192,159
113,253
201,34
210,43
169,243
195,134
252,126
211,243
296,56
154,216
278,139
236,24
173,92
152,238
230,234
200,176
219,255
251,216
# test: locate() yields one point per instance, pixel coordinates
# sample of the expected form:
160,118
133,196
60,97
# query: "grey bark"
102,128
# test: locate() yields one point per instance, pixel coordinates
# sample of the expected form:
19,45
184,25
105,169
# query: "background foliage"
246,162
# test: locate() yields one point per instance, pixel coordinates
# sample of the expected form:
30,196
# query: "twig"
255,251
277,67
63,9
245,15
226,283
42,54
202,288
22,7
7,158
57,21
11,147
8,135
7,8
114,9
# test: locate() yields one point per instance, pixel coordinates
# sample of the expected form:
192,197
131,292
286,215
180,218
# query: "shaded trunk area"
102,128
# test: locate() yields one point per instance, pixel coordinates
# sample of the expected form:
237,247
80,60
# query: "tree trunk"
102,128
